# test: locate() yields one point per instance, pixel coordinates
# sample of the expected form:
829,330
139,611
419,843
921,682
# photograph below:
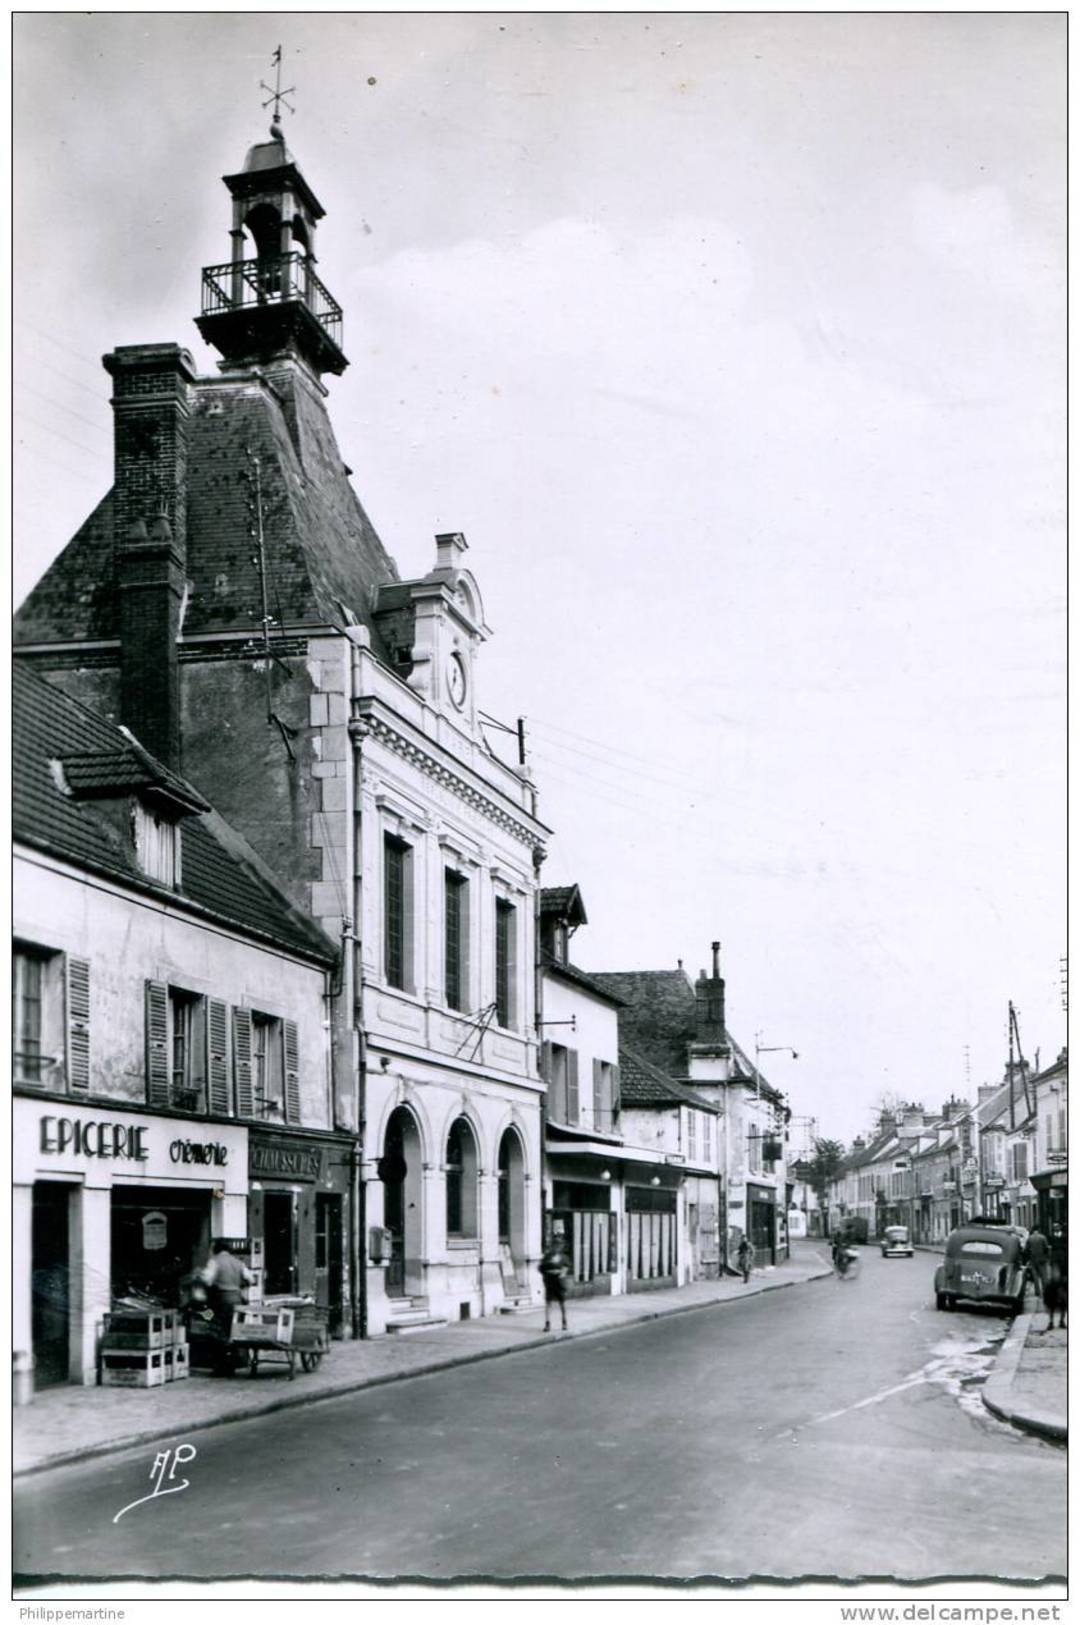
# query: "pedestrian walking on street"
554,1268
225,1278
1038,1257
1056,1281
745,1257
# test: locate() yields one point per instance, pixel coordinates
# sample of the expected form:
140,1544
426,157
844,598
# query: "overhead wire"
99,428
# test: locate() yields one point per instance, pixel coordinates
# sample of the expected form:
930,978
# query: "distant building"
680,1028
633,1180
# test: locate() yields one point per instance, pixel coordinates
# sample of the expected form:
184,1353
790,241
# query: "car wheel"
941,1300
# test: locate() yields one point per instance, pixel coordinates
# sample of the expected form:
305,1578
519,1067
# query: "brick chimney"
709,998
152,398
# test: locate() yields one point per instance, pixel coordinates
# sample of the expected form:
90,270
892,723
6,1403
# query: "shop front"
581,1213
761,1222
652,1234
298,1206
110,1204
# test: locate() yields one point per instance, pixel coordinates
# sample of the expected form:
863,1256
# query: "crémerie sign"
268,1159
93,1138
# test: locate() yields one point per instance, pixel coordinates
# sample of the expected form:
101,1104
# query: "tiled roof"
563,902
127,770
221,875
660,1022
642,1084
322,553
660,1016
579,978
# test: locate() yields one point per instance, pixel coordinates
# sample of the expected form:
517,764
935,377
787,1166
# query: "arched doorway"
400,1170
512,1248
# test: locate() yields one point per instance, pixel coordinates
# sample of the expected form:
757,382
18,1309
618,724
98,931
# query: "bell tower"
266,301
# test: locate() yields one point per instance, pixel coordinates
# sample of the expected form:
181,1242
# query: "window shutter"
292,1073
597,1092
616,1091
545,1063
78,1025
245,1101
157,1043
572,1109
217,1064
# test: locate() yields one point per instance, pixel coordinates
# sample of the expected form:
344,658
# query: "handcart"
292,1331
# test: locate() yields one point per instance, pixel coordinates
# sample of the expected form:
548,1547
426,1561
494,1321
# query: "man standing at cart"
225,1277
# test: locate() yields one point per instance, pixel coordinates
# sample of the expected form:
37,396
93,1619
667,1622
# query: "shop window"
461,1172
397,912
157,845
505,963
50,1019
455,924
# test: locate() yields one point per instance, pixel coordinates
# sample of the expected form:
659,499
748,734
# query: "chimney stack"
152,399
709,999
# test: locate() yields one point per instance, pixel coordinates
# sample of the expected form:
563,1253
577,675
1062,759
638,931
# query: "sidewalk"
1028,1385
71,1424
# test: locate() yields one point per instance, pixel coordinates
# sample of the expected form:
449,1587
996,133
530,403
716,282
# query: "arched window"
461,1173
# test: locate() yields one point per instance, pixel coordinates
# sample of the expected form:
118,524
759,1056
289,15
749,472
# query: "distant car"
896,1242
983,1263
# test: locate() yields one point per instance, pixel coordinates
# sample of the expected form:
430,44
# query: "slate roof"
642,1084
322,552
221,875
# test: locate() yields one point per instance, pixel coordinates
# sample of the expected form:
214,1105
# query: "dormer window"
157,845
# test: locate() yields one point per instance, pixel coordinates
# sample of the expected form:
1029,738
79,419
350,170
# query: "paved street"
831,1429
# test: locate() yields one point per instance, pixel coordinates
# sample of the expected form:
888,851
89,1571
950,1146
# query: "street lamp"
769,1049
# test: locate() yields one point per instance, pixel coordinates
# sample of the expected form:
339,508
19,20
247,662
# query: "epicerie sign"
121,1142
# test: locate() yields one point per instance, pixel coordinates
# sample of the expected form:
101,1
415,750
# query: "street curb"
289,1401
997,1390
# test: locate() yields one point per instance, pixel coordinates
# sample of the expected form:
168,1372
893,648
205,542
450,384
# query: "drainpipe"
358,638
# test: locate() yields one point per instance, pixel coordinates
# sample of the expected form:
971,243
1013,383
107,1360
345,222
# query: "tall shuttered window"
267,1065
396,856
456,922
50,1019
505,963
26,1017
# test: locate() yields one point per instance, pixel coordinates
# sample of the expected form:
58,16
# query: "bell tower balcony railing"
274,280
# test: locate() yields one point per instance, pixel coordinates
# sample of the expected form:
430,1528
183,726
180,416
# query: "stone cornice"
415,754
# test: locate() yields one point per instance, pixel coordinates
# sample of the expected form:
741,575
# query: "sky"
734,344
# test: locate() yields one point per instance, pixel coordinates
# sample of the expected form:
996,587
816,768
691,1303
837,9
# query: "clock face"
457,680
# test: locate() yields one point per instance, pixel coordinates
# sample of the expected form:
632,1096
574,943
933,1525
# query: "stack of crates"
143,1348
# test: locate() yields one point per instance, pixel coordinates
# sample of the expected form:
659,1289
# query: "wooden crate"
133,1368
254,1325
130,1329
177,1364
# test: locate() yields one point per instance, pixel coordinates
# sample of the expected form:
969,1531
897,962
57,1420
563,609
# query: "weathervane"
277,95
